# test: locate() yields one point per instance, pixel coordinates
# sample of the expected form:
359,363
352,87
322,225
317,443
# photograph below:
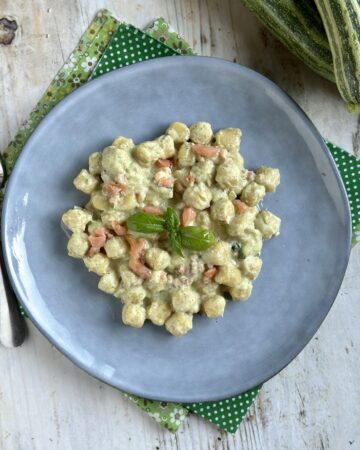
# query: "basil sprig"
172,224
196,238
193,238
172,221
144,222
175,241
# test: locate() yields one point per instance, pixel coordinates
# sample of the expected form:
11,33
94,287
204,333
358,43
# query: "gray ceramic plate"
303,267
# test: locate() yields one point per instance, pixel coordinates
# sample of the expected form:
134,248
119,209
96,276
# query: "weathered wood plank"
45,401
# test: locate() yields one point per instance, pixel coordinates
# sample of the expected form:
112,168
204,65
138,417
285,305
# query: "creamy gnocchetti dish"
173,227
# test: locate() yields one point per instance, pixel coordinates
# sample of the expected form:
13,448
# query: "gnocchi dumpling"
179,323
198,173
76,219
204,171
231,176
128,277
85,182
268,177
229,138
179,131
109,282
157,281
253,193
251,242
268,224
186,156
126,202
201,133
135,295
222,210
240,224
198,196
148,152
186,300
158,312
110,216
228,275
157,259
218,255
214,306
123,143
115,161
167,146
242,290
78,244
95,163
99,263
116,248
99,201
133,315
251,266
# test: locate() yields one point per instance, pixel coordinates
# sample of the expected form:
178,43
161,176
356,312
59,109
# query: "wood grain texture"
48,403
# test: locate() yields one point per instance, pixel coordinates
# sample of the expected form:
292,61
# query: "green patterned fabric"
169,415
162,31
106,45
349,168
228,413
129,45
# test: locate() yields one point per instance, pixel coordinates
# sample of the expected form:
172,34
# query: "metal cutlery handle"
12,324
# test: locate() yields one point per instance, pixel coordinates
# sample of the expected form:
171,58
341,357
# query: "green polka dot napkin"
349,168
106,45
228,413
128,46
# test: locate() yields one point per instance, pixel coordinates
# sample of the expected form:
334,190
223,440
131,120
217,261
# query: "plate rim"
72,97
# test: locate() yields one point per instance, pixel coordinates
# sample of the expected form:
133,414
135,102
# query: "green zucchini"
341,19
297,24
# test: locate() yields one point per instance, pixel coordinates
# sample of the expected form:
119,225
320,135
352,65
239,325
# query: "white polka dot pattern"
128,46
228,413
349,168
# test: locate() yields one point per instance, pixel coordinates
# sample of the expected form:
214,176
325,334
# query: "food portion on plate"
173,226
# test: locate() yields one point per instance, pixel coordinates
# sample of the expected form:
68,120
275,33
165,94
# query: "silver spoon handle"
12,324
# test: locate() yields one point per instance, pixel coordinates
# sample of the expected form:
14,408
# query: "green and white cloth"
349,168
106,45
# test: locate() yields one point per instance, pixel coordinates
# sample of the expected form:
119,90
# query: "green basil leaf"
144,222
175,241
196,238
172,221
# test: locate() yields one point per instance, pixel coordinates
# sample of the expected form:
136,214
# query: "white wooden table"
48,403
